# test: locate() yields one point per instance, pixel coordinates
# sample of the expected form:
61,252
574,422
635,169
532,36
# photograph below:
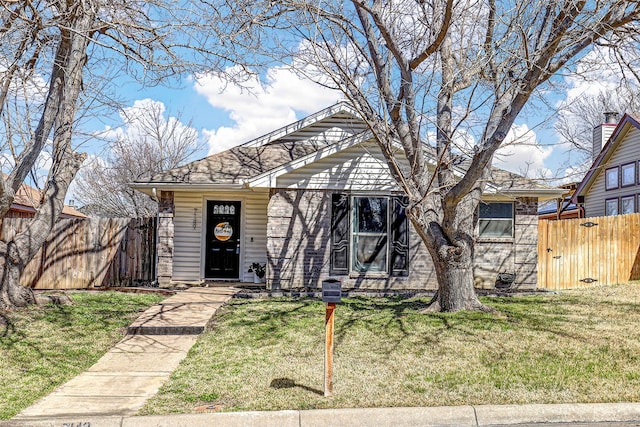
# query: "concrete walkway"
133,371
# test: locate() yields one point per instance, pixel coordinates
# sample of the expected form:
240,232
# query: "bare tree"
148,144
578,118
414,67
51,53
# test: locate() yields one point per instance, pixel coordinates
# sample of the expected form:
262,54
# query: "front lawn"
579,346
43,347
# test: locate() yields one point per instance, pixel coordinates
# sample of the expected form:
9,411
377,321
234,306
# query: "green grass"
42,347
580,346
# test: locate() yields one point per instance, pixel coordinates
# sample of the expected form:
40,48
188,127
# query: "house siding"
517,255
628,151
361,167
188,223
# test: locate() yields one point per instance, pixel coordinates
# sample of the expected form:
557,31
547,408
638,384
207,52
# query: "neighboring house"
563,207
315,200
612,185
28,199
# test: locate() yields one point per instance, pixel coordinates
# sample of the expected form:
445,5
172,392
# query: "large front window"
495,220
369,235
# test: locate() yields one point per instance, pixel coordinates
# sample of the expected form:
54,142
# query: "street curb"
557,413
482,415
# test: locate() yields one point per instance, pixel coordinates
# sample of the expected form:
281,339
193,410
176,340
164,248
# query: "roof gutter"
150,187
541,194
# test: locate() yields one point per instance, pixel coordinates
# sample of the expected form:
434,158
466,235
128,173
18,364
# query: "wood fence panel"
136,256
86,253
582,252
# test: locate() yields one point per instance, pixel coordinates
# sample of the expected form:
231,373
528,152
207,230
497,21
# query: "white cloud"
26,86
597,85
594,74
258,108
522,154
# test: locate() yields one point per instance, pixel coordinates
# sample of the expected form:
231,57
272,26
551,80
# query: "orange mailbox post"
331,294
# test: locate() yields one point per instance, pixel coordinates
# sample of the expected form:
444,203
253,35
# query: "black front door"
222,260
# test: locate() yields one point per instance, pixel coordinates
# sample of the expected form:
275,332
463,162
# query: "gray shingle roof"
236,164
298,140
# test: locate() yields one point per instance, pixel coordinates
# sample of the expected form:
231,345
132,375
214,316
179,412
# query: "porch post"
166,210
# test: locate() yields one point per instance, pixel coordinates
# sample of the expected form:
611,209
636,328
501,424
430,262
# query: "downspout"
154,197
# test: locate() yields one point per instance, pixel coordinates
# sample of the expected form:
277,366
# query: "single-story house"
27,200
561,208
315,200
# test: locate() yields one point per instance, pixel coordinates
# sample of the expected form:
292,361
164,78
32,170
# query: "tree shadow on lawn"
540,314
6,326
267,318
404,320
396,319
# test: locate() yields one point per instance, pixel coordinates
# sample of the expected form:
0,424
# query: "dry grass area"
578,346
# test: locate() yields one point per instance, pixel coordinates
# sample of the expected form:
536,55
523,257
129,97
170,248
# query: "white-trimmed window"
628,174
495,220
611,207
627,204
611,178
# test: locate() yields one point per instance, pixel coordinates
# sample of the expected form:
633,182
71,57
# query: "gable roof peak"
627,121
341,108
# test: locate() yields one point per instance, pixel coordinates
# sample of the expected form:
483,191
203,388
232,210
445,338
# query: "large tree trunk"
456,291
451,250
11,293
59,114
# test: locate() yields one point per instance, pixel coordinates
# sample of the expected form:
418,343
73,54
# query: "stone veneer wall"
298,245
518,255
166,209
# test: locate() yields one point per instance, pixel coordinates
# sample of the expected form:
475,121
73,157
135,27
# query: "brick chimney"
601,133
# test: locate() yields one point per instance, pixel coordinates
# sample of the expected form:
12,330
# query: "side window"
628,174
627,204
495,220
611,207
611,178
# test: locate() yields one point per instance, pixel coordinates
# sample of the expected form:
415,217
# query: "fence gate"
588,251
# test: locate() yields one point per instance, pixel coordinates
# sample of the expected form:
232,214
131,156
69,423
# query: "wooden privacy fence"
91,252
576,253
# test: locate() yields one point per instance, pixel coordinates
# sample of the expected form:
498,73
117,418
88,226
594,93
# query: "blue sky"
225,115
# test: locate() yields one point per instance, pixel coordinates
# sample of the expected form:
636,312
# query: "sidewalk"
133,371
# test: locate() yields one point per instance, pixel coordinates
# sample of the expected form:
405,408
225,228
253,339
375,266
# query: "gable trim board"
285,190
